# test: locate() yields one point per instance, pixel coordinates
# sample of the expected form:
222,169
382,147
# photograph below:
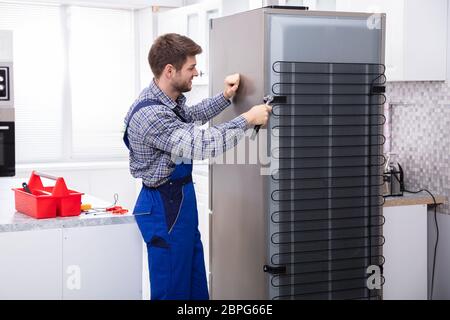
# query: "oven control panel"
6,75
6,90
4,83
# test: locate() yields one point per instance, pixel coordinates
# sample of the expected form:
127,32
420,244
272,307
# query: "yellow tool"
86,206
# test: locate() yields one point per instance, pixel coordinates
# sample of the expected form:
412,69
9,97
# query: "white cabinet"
31,265
92,262
405,253
102,262
416,36
193,22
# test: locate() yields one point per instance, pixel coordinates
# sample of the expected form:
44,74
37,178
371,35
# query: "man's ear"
169,71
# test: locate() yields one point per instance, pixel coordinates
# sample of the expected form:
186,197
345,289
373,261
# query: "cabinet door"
425,39
30,265
405,253
416,36
102,262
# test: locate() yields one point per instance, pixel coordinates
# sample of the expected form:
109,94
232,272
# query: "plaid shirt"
158,137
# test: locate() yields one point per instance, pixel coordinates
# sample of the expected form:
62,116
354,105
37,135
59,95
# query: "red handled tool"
117,210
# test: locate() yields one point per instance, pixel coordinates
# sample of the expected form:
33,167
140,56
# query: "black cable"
437,236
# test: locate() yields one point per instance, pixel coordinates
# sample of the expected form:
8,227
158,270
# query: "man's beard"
182,87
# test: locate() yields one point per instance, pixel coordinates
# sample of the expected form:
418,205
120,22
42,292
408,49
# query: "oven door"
7,150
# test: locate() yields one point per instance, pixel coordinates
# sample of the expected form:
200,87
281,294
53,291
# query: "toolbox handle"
45,175
59,190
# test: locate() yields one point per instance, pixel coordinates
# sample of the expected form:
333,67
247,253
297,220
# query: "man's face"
182,80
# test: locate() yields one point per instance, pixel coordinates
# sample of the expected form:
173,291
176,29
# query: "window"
102,79
74,74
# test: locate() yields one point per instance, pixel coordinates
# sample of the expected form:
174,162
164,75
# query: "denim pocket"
144,203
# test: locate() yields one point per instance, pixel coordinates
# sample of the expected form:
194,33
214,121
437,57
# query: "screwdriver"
26,188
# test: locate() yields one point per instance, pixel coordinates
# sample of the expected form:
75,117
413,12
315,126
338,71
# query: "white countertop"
11,221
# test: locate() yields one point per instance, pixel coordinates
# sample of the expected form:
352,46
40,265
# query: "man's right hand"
258,115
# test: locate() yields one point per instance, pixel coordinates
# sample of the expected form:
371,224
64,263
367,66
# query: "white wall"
234,6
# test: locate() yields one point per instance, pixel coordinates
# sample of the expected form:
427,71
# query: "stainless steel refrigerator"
303,221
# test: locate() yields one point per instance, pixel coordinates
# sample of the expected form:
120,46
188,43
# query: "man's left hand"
231,85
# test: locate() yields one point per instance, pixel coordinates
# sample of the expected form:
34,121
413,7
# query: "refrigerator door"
325,218
238,190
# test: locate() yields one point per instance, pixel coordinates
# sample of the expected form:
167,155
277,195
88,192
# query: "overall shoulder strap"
142,104
139,106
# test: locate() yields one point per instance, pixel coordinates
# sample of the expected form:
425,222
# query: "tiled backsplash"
418,131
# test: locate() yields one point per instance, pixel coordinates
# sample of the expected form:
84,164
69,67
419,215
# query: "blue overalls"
168,220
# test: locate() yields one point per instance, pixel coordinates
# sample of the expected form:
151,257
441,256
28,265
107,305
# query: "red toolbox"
47,202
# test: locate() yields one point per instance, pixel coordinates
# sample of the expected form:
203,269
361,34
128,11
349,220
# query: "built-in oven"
7,149
7,125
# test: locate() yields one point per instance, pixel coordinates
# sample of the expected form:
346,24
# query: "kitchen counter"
410,199
90,256
11,220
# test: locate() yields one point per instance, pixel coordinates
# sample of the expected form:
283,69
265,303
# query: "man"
161,131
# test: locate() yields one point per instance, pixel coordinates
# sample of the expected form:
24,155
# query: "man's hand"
231,85
258,115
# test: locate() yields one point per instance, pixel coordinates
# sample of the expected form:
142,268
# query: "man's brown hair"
171,48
